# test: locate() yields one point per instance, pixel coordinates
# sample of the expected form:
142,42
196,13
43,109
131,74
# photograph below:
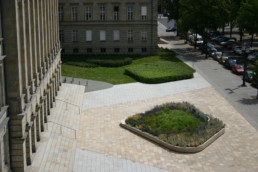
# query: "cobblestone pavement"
236,150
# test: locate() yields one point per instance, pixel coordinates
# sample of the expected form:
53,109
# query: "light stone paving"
139,91
87,161
56,150
236,150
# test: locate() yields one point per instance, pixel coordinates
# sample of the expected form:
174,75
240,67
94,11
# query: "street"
222,79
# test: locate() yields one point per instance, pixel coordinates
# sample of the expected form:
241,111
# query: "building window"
116,35
74,13
61,13
116,50
89,50
144,12
144,36
130,50
116,13
61,35
144,50
88,34
88,15
75,50
130,35
102,13
103,50
129,13
74,35
102,35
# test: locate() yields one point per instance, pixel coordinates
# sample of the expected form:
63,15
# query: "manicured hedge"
95,60
159,72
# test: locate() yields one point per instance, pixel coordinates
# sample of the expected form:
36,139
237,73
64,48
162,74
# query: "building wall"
123,25
4,135
32,72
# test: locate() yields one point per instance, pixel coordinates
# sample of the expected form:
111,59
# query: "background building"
31,76
108,26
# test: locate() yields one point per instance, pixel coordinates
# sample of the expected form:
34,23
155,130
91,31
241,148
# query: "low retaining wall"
169,146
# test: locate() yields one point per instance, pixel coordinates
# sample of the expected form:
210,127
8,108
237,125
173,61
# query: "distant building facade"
30,71
108,26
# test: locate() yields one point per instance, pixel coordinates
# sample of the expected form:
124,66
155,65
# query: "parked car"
226,43
171,29
230,62
238,50
249,75
223,59
238,69
231,45
216,55
252,57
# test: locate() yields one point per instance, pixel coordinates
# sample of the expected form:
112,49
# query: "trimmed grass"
169,121
116,75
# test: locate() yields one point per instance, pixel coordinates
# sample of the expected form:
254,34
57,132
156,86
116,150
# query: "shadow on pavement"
232,90
250,101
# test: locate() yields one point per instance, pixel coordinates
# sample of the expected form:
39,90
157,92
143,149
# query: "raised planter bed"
169,146
179,127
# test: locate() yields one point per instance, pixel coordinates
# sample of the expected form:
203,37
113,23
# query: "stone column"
34,134
28,146
42,114
23,49
43,37
38,122
39,38
34,30
28,31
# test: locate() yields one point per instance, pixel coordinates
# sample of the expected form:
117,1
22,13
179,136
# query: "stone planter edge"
169,146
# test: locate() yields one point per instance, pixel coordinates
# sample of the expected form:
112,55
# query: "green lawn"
168,121
116,75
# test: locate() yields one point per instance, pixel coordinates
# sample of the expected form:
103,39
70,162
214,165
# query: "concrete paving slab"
139,91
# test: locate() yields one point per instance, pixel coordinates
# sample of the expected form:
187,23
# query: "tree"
248,17
255,76
203,15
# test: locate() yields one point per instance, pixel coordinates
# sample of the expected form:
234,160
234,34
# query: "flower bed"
168,126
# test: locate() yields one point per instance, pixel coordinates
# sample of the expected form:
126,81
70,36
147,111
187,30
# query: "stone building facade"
4,134
30,80
108,26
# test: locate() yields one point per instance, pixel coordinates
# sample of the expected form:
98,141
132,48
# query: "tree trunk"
231,28
223,29
252,38
195,41
241,34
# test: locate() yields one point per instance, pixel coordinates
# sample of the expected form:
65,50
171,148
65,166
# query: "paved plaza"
95,141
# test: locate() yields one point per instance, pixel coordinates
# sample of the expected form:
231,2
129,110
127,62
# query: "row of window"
104,50
102,13
102,35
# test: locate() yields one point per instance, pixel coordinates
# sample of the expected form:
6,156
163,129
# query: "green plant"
179,124
159,72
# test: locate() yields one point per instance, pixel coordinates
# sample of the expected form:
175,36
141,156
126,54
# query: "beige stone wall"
4,135
137,25
32,72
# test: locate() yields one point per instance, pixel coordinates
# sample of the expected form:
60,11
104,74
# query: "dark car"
249,75
230,62
171,29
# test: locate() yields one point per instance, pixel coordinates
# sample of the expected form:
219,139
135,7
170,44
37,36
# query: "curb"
169,146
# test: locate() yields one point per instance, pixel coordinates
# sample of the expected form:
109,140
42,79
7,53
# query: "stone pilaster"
28,32
38,123
28,147
34,134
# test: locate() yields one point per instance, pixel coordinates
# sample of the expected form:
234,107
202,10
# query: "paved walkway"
139,91
235,151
